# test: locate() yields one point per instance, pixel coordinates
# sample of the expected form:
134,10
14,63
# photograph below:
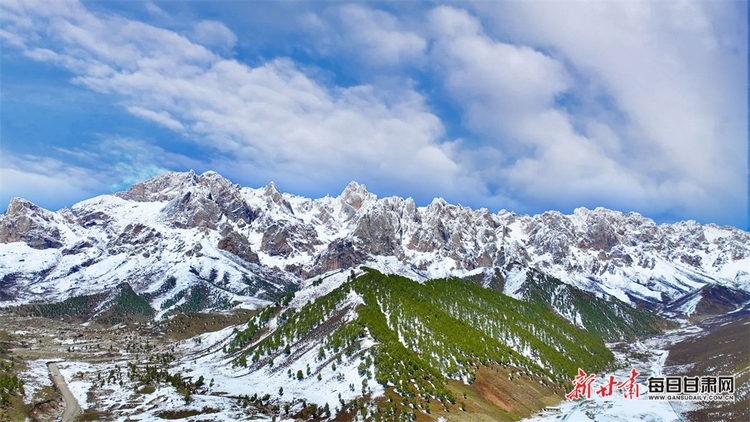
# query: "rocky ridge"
253,243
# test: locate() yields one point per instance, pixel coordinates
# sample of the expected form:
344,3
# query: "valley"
180,369
191,298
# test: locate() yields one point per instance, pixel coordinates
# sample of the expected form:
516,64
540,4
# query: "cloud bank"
632,106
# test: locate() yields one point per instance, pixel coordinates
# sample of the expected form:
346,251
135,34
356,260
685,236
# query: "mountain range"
178,236
359,307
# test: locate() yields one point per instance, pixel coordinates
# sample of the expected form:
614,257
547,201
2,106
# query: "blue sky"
526,106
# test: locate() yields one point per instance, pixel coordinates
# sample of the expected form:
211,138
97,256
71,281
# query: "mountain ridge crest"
205,227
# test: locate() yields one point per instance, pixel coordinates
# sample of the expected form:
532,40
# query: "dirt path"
72,409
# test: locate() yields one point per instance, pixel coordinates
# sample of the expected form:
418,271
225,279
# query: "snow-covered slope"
166,248
246,243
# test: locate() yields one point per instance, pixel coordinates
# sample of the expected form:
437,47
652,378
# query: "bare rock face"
95,218
238,245
160,188
379,234
355,195
192,210
274,195
227,198
283,239
49,410
136,235
307,237
26,222
341,253
432,233
78,248
601,236
194,201
276,241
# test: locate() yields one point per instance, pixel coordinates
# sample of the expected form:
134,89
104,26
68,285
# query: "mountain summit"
246,244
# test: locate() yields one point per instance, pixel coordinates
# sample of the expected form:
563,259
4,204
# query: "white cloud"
374,39
120,159
272,117
379,37
45,181
214,34
112,164
497,82
132,173
161,117
671,135
48,181
626,105
154,9
11,39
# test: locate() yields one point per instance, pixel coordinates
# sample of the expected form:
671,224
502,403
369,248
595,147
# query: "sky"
525,106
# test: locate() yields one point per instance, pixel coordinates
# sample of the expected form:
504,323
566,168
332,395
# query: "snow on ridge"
688,308
34,378
308,292
211,362
514,280
129,236
19,257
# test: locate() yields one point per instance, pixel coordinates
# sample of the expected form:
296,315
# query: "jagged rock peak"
437,203
581,212
213,176
356,194
274,194
353,187
18,205
215,183
597,210
272,191
163,187
25,221
166,187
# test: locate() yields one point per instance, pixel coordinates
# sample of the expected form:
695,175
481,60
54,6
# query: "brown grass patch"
188,325
185,413
723,350
494,398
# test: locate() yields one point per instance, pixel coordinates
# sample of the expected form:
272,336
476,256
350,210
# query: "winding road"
72,409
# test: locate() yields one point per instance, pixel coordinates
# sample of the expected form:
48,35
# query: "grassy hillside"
74,309
608,319
121,305
11,393
426,335
127,306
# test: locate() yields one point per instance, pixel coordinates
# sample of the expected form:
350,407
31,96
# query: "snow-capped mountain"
179,230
